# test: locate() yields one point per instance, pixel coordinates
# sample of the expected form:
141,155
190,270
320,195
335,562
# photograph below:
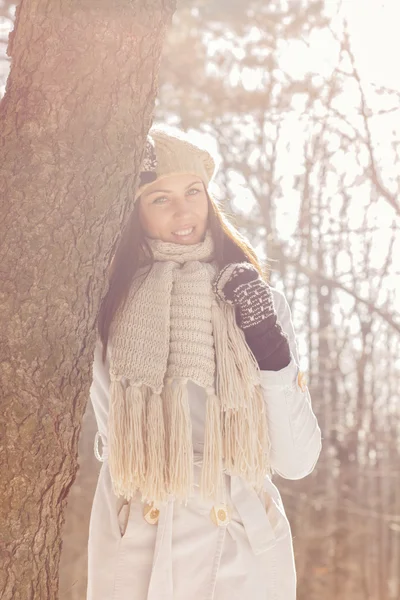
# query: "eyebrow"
170,191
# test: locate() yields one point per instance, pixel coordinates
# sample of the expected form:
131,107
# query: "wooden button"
220,515
151,515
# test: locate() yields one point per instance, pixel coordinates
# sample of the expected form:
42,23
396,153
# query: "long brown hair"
230,247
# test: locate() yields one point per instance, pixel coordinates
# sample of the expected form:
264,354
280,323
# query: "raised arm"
293,427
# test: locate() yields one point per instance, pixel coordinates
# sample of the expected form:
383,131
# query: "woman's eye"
157,200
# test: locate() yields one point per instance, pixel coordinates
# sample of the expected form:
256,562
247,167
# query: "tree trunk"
78,106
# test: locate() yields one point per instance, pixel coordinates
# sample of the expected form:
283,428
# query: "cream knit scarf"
172,329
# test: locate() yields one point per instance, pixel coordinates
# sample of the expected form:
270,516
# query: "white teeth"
184,231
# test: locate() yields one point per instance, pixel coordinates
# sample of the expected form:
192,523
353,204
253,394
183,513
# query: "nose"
181,207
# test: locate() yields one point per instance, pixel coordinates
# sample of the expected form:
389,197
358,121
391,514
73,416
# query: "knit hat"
172,151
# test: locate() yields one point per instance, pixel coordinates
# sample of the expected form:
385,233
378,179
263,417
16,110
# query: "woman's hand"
240,285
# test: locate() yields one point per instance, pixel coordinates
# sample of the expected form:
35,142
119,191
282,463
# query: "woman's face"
173,204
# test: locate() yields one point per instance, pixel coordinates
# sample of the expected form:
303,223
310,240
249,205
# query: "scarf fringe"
245,437
212,474
237,368
127,452
135,414
155,451
235,440
248,455
180,442
239,439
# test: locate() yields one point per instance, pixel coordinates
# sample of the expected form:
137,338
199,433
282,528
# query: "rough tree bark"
73,121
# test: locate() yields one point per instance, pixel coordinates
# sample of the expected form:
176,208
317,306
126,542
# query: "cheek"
150,223
204,209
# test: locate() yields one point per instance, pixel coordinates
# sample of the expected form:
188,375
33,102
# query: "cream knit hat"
170,152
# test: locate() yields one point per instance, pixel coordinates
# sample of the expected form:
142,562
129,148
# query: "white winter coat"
186,556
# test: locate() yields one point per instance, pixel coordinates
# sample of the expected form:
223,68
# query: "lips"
189,230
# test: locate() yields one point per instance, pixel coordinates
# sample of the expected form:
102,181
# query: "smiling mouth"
184,233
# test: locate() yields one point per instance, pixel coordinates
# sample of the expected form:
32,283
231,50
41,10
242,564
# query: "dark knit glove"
241,286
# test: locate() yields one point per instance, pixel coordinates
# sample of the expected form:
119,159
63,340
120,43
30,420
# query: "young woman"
198,398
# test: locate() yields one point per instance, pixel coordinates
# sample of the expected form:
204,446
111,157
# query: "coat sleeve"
293,428
99,389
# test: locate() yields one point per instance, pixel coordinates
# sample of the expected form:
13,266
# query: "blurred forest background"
303,99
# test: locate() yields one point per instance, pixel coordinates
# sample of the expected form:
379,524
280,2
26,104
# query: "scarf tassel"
155,450
237,369
245,431
212,473
180,440
246,454
239,442
126,440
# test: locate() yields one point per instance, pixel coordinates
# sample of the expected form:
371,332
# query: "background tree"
73,121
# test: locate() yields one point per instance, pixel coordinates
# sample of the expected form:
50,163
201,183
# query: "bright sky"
373,29
375,35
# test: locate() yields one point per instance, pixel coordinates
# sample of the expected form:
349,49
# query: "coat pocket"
123,511
276,512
